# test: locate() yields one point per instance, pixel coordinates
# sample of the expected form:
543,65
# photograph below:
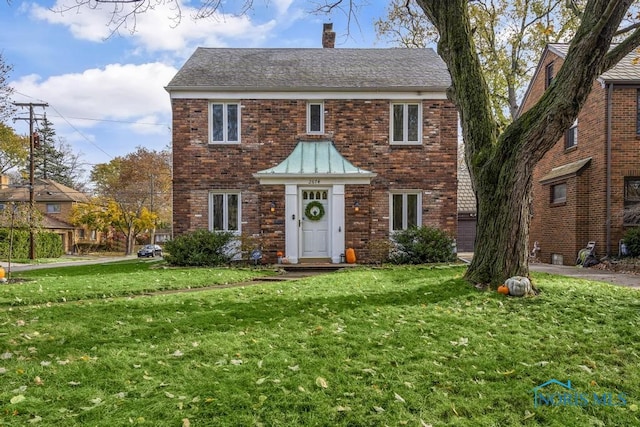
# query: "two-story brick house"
55,201
587,186
315,150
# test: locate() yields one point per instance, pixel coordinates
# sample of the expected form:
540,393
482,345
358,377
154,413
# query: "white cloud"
116,92
157,29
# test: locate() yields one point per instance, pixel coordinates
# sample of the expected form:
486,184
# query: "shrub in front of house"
632,241
201,248
48,244
422,245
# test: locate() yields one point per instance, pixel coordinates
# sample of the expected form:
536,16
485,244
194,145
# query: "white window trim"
316,132
225,209
225,122
405,125
404,193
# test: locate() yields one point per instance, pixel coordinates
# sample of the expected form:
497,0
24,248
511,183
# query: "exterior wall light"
273,207
356,206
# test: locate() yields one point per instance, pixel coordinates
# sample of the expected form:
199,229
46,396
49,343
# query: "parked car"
150,251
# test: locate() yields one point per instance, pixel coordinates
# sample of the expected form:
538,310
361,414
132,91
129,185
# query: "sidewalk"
621,279
16,267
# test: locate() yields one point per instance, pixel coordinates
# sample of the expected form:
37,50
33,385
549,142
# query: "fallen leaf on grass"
528,414
7,355
169,395
73,383
186,422
17,399
399,398
585,368
343,408
177,353
235,362
3,371
378,409
321,382
35,419
38,381
261,380
423,424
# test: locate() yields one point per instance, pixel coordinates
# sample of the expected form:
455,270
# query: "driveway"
621,279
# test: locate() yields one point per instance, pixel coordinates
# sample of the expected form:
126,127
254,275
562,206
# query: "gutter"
608,169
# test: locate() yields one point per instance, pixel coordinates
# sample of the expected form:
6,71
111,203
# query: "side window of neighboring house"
405,210
224,118
571,136
53,208
559,193
632,201
224,211
94,235
406,119
548,75
315,117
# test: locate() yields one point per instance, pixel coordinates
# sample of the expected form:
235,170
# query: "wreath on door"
314,211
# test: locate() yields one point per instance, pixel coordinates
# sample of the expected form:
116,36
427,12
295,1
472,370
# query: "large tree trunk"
501,166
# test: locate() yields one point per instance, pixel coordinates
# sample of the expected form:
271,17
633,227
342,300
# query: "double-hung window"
571,136
315,117
559,193
405,123
225,122
53,208
632,201
224,211
405,210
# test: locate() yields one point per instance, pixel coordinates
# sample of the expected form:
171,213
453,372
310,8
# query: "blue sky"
106,91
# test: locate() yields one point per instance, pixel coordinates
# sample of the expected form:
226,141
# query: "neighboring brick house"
55,201
467,208
315,150
587,186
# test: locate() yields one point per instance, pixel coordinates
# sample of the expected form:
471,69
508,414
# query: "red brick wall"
567,229
270,129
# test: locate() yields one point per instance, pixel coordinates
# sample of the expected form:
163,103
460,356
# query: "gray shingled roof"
626,70
312,69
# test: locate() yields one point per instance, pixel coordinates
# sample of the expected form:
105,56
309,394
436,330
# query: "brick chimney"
328,36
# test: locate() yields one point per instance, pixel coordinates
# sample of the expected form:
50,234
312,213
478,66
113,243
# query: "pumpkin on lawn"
503,289
518,286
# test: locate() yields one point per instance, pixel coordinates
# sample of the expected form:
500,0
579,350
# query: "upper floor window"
53,208
224,211
559,193
315,117
548,75
405,123
632,201
405,210
571,136
225,122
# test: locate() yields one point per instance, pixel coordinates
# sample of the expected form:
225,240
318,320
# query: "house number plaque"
314,181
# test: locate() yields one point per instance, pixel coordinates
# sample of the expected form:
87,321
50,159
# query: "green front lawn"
367,347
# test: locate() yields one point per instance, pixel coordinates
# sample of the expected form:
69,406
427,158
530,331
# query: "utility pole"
32,140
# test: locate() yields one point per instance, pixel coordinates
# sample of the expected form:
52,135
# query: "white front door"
315,222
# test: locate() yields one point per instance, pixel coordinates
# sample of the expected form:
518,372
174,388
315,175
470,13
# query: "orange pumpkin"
350,256
503,289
